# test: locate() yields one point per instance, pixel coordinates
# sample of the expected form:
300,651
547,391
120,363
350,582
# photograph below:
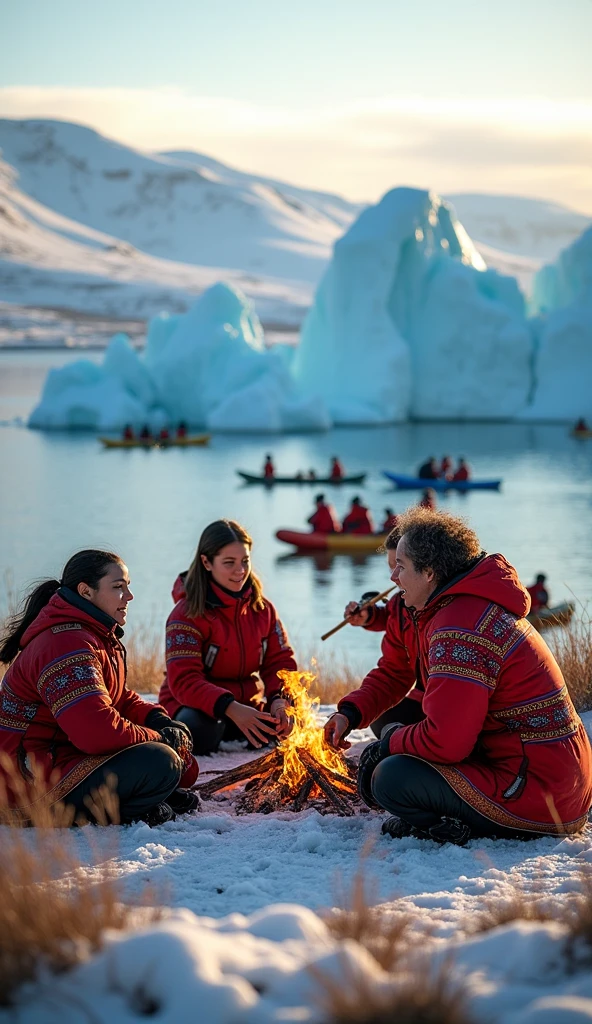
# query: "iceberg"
408,321
562,298
209,367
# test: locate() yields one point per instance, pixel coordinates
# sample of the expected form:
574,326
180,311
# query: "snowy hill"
172,208
515,225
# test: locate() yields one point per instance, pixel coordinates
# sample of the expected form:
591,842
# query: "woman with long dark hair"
67,718
225,646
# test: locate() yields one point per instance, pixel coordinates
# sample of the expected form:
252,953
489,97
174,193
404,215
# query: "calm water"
60,492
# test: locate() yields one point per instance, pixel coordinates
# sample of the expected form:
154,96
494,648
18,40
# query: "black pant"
208,732
147,774
419,795
407,712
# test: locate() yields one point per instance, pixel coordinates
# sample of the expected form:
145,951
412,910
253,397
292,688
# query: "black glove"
175,734
370,757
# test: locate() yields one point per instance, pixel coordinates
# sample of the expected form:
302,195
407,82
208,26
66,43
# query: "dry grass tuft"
51,915
421,997
519,907
145,659
572,647
333,676
386,936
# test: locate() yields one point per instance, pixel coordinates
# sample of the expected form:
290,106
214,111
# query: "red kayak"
370,542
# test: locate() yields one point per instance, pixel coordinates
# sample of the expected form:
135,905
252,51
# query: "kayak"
344,542
581,433
253,478
410,483
560,615
155,442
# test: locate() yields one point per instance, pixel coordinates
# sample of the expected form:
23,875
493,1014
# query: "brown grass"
51,915
572,647
422,997
145,659
386,936
333,676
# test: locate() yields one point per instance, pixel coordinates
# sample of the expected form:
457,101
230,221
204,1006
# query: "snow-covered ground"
232,952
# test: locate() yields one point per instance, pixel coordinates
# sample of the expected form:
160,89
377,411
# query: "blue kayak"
411,483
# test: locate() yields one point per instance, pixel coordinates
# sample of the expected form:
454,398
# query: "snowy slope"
170,208
517,225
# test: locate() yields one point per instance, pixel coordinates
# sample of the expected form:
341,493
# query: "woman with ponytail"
225,646
67,718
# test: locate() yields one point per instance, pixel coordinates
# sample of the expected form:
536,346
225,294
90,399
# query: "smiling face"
416,587
231,567
113,593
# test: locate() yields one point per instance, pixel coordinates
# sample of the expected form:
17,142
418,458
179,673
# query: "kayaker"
539,595
499,749
128,432
182,429
225,646
65,709
445,466
358,519
311,475
268,468
429,470
428,498
581,426
390,521
324,518
462,472
337,470
164,434
145,433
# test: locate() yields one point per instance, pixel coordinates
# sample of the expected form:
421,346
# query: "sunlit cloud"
534,146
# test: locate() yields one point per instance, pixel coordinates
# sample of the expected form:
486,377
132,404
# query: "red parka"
64,700
324,520
231,652
358,520
500,726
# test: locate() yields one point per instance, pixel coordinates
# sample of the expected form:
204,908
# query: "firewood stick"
323,783
361,607
238,774
303,794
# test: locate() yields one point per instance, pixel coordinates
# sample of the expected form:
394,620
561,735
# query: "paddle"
361,607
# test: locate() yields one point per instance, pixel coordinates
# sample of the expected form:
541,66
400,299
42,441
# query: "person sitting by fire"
358,519
429,470
390,521
495,747
181,431
268,468
69,721
324,518
462,471
539,595
428,499
225,646
337,470
128,433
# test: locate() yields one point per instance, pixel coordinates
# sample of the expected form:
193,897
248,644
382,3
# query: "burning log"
301,770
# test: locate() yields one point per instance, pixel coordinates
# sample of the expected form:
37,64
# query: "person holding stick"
225,646
499,749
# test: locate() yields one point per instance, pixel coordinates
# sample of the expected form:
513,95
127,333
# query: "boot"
183,801
155,815
450,830
396,828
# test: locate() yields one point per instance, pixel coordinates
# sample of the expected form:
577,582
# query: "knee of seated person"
165,760
389,778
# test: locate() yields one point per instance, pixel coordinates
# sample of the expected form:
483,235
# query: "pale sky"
350,97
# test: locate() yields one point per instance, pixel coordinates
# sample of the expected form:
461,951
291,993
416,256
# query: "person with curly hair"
496,747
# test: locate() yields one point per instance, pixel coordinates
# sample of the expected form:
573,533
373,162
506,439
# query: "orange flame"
305,730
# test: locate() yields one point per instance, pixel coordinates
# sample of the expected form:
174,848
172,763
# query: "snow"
407,302
208,367
242,931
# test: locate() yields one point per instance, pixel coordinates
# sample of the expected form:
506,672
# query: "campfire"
301,771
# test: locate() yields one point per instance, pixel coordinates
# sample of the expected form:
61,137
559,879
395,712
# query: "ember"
301,771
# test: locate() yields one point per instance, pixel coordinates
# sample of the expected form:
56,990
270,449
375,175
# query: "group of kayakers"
336,470
431,469
146,434
476,732
359,518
